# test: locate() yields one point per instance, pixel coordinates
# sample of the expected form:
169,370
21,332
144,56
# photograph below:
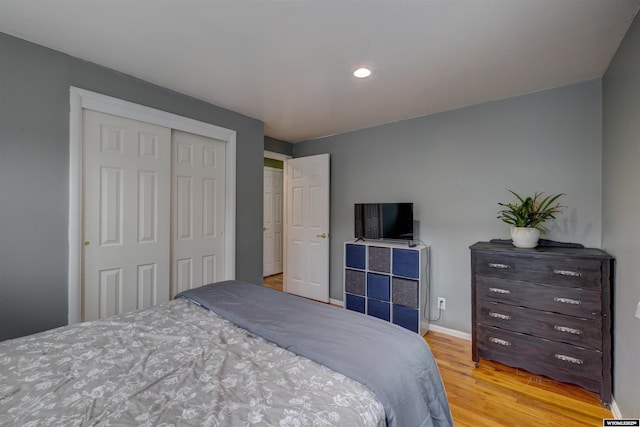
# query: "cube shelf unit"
388,281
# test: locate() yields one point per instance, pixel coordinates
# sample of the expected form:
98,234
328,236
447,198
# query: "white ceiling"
289,62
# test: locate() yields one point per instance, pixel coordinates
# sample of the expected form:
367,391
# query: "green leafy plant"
530,212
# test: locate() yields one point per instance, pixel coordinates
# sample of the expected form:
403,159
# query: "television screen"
384,221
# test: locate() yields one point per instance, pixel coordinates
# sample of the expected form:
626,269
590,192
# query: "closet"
153,213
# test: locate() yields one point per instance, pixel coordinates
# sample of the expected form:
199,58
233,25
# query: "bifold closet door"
126,181
198,211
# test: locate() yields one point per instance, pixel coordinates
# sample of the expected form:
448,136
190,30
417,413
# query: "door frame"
277,156
80,99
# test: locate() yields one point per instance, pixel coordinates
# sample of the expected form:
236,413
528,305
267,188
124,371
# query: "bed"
225,354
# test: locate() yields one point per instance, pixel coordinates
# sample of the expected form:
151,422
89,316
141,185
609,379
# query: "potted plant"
527,216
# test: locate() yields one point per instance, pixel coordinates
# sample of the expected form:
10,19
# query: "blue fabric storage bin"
406,263
355,256
355,303
378,287
379,309
406,317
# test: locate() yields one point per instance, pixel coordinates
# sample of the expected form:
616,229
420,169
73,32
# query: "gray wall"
456,166
620,212
34,169
278,146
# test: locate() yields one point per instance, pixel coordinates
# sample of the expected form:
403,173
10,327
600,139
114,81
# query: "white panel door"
198,212
126,167
272,223
307,227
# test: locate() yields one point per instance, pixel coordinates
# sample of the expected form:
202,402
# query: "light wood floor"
273,282
497,395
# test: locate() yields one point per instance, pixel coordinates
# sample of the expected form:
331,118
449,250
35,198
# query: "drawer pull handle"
499,291
567,273
500,341
499,316
567,330
570,359
567,300
499,266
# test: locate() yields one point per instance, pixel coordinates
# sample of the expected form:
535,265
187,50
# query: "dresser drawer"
560,361
557,327
582,273
558,299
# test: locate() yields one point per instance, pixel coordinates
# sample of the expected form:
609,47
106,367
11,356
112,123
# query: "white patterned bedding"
173,364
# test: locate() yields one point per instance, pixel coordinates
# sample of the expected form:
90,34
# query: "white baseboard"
615,409
336,302
452,332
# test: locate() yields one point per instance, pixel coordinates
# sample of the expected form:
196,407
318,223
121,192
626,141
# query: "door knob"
322,236
87,243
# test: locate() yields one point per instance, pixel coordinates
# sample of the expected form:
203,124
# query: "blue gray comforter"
394,363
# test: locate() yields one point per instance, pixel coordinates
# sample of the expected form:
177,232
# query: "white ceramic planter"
525,237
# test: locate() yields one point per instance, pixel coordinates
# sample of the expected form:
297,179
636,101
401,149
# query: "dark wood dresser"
546,310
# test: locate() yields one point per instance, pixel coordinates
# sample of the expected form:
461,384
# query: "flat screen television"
393,221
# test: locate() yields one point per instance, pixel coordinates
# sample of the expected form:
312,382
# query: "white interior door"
126,169
307,227
272,223
198,211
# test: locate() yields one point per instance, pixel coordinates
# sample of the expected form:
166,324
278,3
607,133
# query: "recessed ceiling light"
362,72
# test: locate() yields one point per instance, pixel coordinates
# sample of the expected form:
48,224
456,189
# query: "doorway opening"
273,218
304,217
